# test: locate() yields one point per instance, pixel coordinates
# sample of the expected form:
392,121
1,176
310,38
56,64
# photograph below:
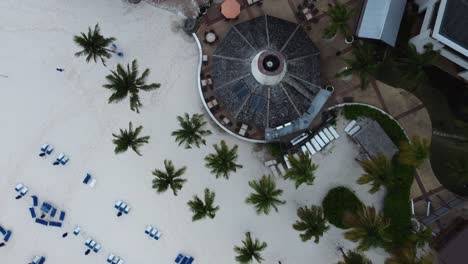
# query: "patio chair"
305,150
158,235
77,230
97,248
179,258
184,260
87,178
190,260
62,215
333,131
42,222
7,236
153,232
18,187
127,209
35,200
349,126
56,224
286,160
33,212
44,147
281,168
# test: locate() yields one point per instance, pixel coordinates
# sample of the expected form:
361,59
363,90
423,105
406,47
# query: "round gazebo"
266,76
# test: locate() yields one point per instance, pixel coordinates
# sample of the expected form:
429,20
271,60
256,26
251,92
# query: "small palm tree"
123,82
354,257
169,178
129,139
378,170
202,209
266,196
421,238
368,228
250,250
94,45
302,170
408,255
191,131
312,223
339,17
362,64
223,162
416,152
412,64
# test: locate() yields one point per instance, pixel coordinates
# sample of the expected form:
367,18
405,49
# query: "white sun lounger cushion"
305,150
281,169
18,187
44,147
310,148
349,126
110,258
333,131
354,130
319,141
274,171
92,183
316,144
324,138
24,190
328,134
148,229
286,160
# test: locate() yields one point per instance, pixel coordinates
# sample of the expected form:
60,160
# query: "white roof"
380,19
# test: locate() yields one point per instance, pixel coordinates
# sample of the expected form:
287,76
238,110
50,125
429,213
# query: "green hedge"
338,201
393,130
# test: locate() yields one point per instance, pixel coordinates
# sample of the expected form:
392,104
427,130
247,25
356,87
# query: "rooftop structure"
444,27
374,140
380,20
266,74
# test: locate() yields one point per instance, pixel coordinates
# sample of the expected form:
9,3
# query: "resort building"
264,81
444,27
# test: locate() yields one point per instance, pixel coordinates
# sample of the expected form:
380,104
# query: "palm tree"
94,45
416,152
408,255
302,170
124,82
362,64
378,170
223,161
354,257
250,250
191,131
368,228
420,238
312,223
412,64
129,139
266,196
169,178
202,209
339,17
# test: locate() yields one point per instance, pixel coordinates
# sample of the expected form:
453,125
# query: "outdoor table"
244,127
203,82
225,121
306,11
242,132
210,37
215,103
210,104
210,82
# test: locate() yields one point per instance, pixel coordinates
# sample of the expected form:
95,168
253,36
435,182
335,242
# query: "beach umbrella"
230,8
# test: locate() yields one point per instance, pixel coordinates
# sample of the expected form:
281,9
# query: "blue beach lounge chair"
49,150
42,222
62,215
59,159
118,204
97,247
77,230
191,259
46,207
110,258
184,260
64,160
18,187
158,235
148,229
179,258
56,224
54,211
35,200
7,236
86,179
24,190
2,231
33,212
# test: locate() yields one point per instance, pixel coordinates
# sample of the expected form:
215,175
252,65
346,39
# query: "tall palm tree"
312,223
266,195
339,17
123,82
302,170
129,139
191,131
408,255
368,228
202,209
250,250
416,152
362,64
223,162
378,170
412,64
354,257
169,178
94,45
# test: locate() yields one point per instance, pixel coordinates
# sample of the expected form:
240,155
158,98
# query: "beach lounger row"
62,159
122,207
38,260
114,259
93,245
89,180
46,149
352,128
153,232
319,141
181,259
6,234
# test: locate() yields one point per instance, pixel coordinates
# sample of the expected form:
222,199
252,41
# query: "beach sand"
70,111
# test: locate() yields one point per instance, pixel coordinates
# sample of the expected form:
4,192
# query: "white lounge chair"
310,148
127,209
315,144
305,150
319,141
324,137
24,190
270,162
153,232
349,126
286,160
328,134
44,147
77,230
118,204
274,171
281,168
298,139
18,187
110,258
148,229
97,247
354,130
333,131
92,183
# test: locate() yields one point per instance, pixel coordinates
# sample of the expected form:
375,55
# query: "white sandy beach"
69,110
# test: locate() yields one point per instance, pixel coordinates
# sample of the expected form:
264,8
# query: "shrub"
391,127
338,201
397,208
275,149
